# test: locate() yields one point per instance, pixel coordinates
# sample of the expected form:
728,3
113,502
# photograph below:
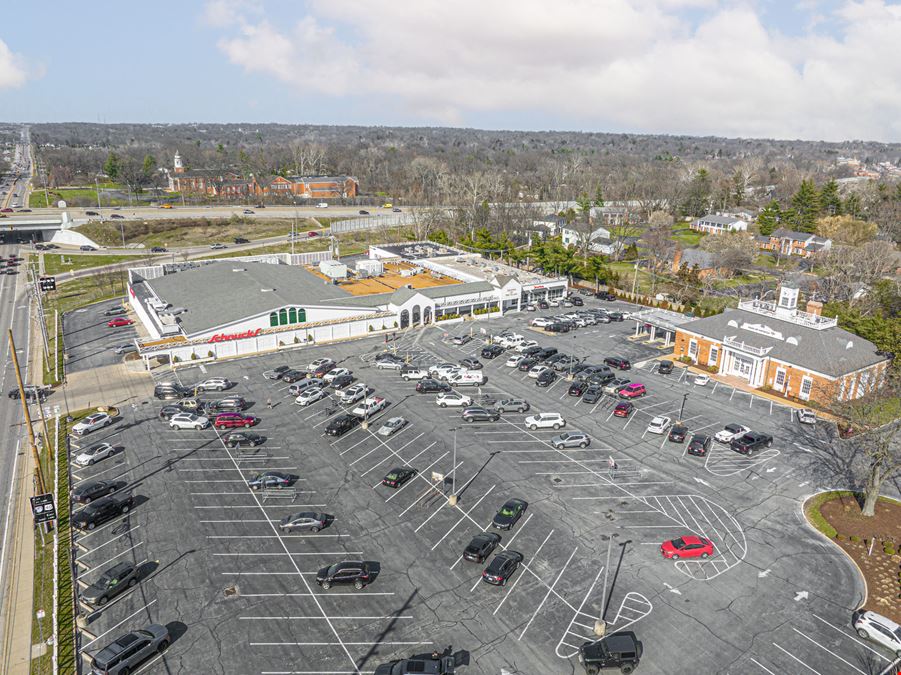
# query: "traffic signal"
47,283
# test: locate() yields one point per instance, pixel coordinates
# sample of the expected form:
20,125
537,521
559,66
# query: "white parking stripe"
516,583
549,591
796,659
850,637
848,663
144,608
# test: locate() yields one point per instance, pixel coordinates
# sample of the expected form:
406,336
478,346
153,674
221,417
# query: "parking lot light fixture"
682,409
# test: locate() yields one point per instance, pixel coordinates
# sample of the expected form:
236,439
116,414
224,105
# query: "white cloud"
625,64
13,72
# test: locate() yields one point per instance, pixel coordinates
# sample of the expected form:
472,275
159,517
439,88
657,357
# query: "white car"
91,423
525,344
702,379
659,424
446,372
540,322
536,371
310,395
878,628
188,421
322,205
508,341
413,374
530,307
730,432
461,339
451,398
807,416
392,426
514,361
214,384
319,363
555,302
433,370
93,454
352,394
545,421
335,372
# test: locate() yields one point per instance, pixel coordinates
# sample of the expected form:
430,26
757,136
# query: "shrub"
193,356
281,344
371,328
395,324
309,337
684,359
888,551
713,370
210,354
815,518
296,339
176,359
854,538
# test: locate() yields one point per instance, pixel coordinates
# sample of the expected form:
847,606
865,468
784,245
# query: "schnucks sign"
225,337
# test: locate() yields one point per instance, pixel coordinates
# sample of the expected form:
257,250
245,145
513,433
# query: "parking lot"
90,342
240,595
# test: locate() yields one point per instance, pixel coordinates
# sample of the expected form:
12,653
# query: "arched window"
282,317
292,315
273,319
301,315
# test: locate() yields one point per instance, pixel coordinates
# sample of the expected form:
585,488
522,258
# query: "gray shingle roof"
824,351
216,295
697,257
718,220
794,235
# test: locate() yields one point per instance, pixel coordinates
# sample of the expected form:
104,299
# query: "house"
572,237
613,216
789,242
719,223
694,258
800,354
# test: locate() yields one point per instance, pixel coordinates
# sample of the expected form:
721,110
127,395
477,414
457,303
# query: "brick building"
797,353
227,183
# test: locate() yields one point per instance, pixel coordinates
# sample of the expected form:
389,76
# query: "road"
22,166
13,315
179,212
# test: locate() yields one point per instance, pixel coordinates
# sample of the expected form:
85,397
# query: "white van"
467,378
322,205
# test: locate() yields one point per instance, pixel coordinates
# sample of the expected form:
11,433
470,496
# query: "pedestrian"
269,403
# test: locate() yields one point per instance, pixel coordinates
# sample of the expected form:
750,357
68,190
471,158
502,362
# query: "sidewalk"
111,385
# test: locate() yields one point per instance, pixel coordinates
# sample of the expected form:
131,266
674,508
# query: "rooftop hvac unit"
333,269
370,267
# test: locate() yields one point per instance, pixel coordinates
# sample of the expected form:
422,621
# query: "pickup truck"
370,406
751,442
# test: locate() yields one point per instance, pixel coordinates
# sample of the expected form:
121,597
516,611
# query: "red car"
623,409
310,235
118,322
229,420
688,546
633,390
7,210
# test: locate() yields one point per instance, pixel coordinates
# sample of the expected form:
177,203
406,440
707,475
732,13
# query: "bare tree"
731,251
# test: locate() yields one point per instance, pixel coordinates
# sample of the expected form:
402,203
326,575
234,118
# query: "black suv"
617,650
531,351
342,424
112,582
677,433
751,442
430,386
230,404
699,445
617,362
665,367
168,392
102,510
605,296
545,353
492,351
354,572
425,664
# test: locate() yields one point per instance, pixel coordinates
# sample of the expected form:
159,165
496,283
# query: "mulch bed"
882,567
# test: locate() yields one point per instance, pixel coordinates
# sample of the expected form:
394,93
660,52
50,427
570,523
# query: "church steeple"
177,163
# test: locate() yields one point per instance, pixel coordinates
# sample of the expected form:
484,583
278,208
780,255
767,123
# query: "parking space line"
516,534
282,553
796,659
849,636
463,517
84,534
319,618
848,663
410,482
144,608
516,583
333,644
106,562
549,591
326,617
762,666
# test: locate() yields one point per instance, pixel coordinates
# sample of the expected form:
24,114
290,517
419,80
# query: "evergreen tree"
768,219
112,166
853,206
697,198
830,200
806,203
599,198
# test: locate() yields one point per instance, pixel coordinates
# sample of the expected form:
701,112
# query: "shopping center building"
239,306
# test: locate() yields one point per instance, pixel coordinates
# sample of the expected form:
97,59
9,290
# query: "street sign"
42,508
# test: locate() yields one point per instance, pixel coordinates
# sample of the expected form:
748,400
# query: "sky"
805,69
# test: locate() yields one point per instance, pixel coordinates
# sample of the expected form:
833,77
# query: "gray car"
130,650
113,581
298,388
127,348
305,520
512,405
571,439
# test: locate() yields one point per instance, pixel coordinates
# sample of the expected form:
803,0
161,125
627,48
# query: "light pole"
682,409
452,500
294,223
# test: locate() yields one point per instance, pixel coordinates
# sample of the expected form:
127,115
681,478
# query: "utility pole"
39,474
36,292
682,409
56,345
635,278
452,500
